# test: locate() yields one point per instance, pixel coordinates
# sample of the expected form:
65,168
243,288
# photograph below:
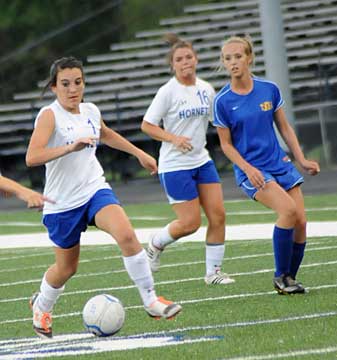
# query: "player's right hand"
255,177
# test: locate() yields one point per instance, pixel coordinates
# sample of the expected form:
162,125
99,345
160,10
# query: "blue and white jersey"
250,119
185,111
73,179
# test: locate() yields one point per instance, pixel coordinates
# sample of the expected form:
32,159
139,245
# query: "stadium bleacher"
123,81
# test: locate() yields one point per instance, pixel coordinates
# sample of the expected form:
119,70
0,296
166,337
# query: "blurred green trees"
34,33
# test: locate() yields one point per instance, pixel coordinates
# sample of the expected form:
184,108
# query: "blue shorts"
182,185
65,228
287,180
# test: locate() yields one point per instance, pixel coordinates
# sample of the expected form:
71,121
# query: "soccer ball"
103,315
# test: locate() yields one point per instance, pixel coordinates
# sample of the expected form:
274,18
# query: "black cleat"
286,285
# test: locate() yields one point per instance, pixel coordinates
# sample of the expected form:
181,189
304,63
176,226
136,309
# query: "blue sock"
296,259
283,246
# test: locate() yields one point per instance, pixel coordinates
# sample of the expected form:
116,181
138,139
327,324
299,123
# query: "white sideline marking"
118,271
233,232
9,342
261,212
167,282
289,354
69,344
159,218
20,223
93,346
132,307
175,247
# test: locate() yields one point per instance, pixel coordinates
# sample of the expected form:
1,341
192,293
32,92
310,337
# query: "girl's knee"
217,218
301,225
127,239
68,271
289,212
190,227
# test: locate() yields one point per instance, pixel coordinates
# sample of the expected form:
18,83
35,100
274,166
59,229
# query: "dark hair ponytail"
176,43
61,64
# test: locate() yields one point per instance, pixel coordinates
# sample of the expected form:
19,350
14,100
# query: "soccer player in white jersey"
244,113
65,139
186,171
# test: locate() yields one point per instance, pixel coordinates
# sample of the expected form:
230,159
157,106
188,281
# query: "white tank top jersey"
73,179
185,111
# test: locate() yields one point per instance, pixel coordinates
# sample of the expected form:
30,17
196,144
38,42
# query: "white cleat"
219,278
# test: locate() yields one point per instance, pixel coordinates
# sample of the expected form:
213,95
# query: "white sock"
214,257
139,271
163,238
48,296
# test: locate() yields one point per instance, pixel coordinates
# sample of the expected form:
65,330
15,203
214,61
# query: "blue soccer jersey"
250,119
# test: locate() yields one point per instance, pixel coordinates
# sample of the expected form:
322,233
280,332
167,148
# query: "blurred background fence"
123,80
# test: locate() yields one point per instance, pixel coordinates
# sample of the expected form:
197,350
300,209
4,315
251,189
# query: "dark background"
36,32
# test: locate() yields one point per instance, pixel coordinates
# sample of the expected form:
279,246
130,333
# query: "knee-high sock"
214,258
48,296
283,246
163,238
296,259
139,271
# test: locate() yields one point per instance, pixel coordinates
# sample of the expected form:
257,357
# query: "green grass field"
246,320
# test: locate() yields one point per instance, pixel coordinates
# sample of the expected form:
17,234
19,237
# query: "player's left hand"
311,167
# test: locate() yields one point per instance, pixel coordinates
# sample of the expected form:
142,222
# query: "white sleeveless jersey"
73,179
185,111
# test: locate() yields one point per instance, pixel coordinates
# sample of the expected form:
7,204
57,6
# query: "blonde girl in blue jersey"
245,111
65,139
178,117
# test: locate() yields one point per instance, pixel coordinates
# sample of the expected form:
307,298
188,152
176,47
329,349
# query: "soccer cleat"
42,321
163,308
292,282
153,254
218,278
286,285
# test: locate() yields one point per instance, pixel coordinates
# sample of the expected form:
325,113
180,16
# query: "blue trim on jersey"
250,119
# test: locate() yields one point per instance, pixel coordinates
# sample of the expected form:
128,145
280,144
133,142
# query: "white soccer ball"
103,315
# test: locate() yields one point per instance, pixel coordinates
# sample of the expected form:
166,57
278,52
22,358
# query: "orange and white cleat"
42,321
163,309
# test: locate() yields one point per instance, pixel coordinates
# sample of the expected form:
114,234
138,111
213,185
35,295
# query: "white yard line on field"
160,218
233,232
291,354
183,302
183,264
174,282
75,344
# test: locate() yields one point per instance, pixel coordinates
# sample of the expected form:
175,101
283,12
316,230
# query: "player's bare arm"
31,197
290,138
112,139
38,153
